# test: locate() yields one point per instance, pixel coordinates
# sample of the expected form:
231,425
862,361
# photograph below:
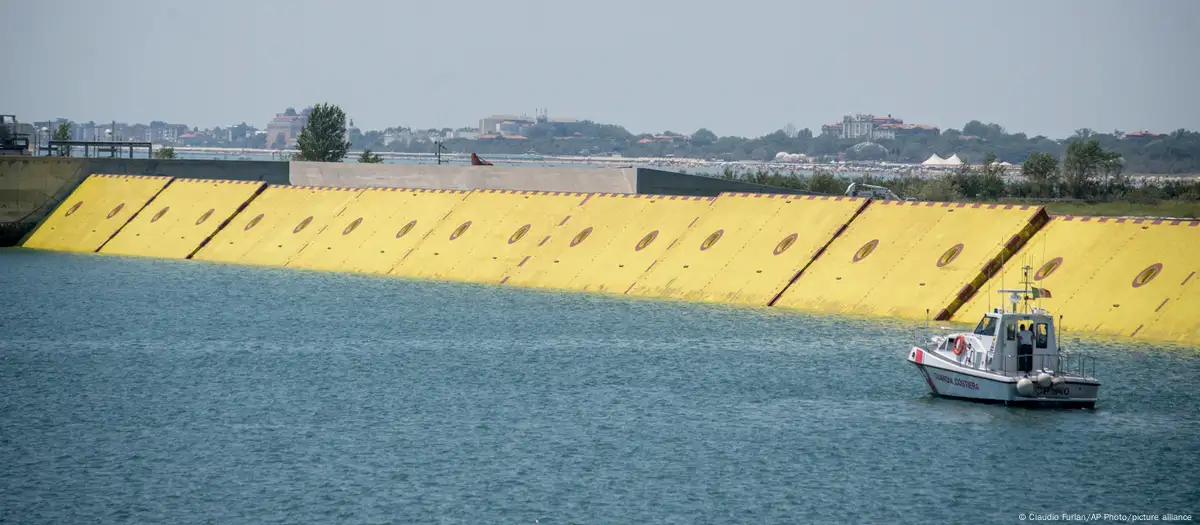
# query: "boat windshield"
987,326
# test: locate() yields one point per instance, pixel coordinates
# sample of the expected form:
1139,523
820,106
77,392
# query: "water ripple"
137,390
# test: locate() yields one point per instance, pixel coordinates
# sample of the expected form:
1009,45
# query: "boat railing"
1078,365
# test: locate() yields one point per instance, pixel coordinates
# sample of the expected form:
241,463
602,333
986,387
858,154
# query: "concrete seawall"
641,181
1134,279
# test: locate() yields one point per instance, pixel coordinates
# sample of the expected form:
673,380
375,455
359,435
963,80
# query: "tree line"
1088,172
1173,153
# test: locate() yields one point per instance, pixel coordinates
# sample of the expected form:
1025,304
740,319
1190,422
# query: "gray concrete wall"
31,187
658,182
461,177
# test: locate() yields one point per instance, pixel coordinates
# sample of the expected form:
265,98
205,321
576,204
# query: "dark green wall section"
658,182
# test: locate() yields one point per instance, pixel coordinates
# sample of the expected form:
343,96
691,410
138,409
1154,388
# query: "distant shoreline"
692,165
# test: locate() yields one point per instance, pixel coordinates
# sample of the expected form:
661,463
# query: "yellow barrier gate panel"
503,249
1178,317
366,232
94,212
331,246
910,259
307,217
577,241
707,246
1126,294
1114,276
272,210
182,217
781,247
414,214
633,251
473,220
1063,257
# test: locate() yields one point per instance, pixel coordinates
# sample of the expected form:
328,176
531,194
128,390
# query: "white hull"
948,378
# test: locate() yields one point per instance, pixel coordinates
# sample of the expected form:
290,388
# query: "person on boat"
1025,349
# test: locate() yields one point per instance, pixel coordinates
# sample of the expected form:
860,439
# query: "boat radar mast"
1025,295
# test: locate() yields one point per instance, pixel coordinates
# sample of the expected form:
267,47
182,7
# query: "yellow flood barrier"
488,235
747,248
577,241
183,217
376,229
276,225
94,212
641,243
912,259
1128,277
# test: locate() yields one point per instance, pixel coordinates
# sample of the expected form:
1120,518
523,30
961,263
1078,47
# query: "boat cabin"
995,343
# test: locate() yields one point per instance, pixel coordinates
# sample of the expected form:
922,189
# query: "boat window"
987,326
1011,332
1041,335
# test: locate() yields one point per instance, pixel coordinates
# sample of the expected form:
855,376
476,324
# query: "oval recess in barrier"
253,222
711,239
1145,276
116,210
786,243
204,216
1048,269
646,240
865,250
73,209
460,230
581,236
405,229
160,214
950,255
303,224
517,235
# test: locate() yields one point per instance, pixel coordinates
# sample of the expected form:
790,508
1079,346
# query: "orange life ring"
960,344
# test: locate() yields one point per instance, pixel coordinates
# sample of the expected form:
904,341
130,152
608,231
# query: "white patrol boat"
1012,357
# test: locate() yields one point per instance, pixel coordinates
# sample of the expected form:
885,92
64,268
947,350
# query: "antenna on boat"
1022,295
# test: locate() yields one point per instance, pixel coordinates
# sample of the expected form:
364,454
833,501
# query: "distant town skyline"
866,126
742,69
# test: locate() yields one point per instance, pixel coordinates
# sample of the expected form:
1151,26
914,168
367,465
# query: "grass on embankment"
1174,209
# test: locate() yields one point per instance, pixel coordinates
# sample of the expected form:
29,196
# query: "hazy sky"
744,67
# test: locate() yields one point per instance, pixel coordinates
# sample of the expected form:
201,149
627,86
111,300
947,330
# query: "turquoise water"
149,391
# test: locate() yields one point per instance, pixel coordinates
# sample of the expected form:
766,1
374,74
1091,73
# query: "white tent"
953,161
934,160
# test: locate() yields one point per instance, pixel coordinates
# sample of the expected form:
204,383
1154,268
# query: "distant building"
507,123
870,127
285,129
1143,135
492,124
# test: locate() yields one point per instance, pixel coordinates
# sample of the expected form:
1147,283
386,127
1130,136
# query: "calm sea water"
148,391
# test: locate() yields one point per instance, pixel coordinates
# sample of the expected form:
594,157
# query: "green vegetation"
323,139
1093,184
164,153
1177,209
369,158
63,132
